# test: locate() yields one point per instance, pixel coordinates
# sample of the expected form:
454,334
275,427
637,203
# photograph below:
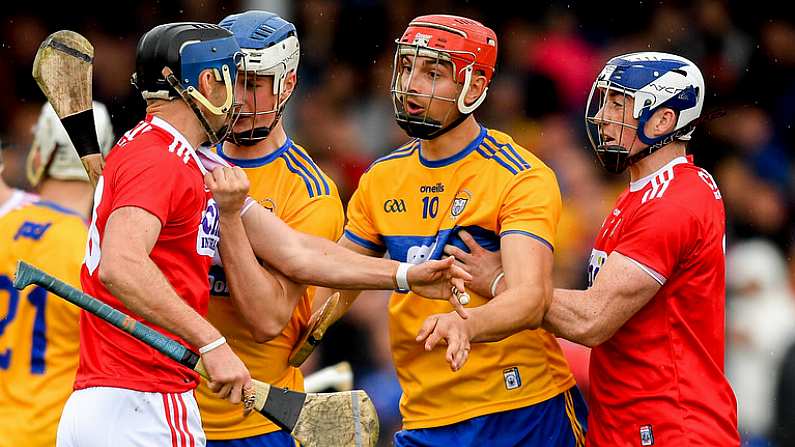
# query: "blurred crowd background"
549,54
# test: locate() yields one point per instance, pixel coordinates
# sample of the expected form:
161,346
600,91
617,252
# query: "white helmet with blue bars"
654,80
270,47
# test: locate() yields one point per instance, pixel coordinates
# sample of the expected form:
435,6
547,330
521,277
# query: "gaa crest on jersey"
207,238
595,263
460,202
268,204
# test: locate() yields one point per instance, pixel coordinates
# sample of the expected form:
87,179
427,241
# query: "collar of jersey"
455,157
640,183
159,122
255,162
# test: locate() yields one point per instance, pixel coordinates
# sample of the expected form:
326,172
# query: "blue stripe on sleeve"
526,233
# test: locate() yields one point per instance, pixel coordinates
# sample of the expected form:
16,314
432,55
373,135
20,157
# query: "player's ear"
207,82
289,85
663,121
476,87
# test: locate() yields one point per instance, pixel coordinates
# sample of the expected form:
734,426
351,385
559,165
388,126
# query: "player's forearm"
139,284
259,296
512,311
321,262
307,259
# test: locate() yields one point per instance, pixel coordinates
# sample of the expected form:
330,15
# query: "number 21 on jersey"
37,297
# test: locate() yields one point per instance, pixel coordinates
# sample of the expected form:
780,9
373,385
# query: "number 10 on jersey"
430,207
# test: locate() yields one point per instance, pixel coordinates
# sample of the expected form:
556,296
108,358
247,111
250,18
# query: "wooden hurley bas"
63,71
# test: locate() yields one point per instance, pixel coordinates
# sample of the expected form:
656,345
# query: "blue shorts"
276,439
557,422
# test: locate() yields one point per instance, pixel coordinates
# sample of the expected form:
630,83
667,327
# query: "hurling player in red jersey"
654,309
153,234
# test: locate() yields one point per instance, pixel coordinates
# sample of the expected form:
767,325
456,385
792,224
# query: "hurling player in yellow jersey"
457,175
285,180
39,334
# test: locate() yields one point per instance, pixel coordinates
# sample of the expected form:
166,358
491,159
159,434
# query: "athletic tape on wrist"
212,345
401,276
494,283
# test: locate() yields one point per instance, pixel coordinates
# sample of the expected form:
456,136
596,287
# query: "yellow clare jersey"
411,207
290,184
39,332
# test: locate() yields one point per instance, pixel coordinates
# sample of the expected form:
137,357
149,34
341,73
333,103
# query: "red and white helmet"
467,44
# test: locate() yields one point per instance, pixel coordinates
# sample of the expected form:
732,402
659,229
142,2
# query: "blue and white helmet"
270,47
655,80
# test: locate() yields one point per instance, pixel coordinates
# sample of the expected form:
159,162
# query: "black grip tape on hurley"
190,359
283,407
82,132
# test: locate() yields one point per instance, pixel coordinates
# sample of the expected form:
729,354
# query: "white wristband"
247,204
212,345
494,283
401,276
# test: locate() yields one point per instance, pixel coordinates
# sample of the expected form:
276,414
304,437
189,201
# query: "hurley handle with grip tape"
341,419
27,274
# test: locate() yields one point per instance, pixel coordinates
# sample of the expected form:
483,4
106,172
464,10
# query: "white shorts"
117,417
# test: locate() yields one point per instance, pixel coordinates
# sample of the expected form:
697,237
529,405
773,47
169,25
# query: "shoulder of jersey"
50,212
506,155
316,182
147,141
496,147
684,184
402,152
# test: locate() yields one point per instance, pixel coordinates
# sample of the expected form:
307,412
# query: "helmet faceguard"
170,59
465,45
271,48
653,80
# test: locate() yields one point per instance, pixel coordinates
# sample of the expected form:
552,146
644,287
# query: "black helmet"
187,49
170,57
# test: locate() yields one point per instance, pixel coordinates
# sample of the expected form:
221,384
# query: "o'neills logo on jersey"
433,189
207,239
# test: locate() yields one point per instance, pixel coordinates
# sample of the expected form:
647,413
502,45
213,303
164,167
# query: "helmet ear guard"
191,96
230,94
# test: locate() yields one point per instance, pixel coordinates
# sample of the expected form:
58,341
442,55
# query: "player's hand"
229,187
93,164
436,280
482,264
228,375
451,329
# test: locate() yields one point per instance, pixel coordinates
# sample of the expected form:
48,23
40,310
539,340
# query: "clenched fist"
229,186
